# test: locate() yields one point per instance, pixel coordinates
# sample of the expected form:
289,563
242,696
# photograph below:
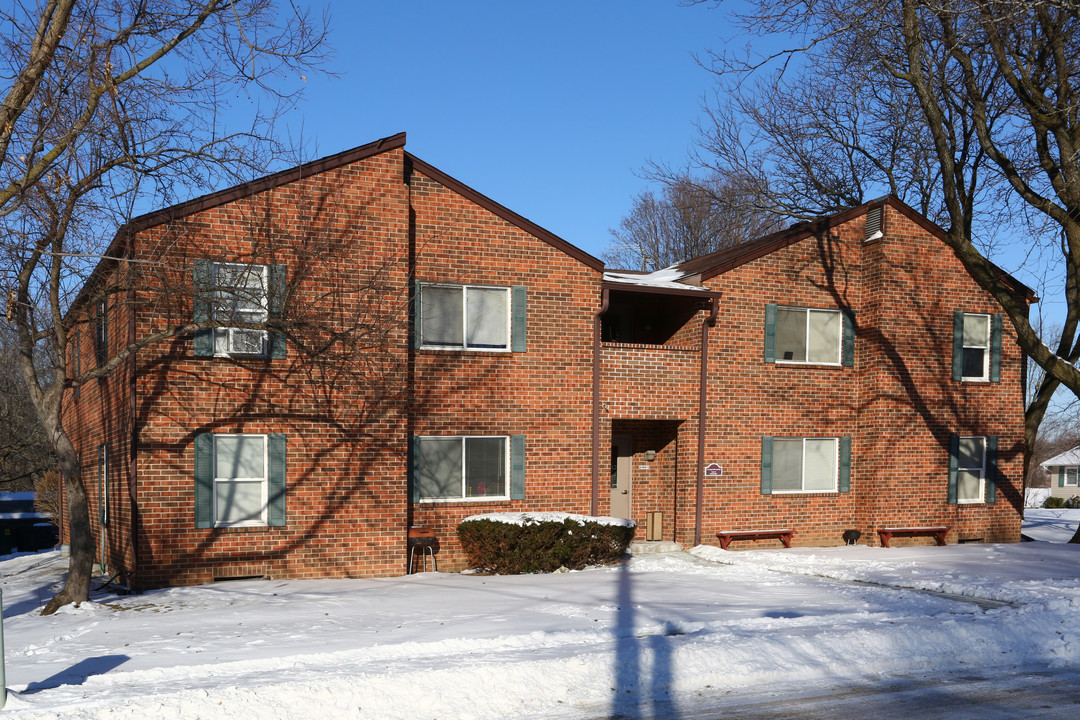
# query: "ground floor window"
1070,475
239,479
805,464
455,468
972,469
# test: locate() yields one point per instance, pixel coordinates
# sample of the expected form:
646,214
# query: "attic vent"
873,224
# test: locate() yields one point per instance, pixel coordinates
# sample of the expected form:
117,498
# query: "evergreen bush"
528,544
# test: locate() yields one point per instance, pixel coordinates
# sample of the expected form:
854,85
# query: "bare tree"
966,109
109,105
691,218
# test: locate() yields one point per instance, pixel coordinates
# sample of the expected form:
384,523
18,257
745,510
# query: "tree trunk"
80,564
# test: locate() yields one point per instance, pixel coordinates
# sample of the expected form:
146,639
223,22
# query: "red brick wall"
339,233
544,393
898,403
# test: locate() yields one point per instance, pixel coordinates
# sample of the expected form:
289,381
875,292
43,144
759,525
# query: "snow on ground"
649,638
1055,526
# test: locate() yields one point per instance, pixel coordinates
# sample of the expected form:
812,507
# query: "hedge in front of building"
541,545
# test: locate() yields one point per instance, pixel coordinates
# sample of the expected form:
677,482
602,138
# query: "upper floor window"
231,294
808,336
240,295
101,333
976,351
976,347
471,317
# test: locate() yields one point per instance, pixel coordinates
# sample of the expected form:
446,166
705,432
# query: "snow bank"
533,518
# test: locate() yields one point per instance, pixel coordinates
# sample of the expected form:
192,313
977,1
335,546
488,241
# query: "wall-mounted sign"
713,470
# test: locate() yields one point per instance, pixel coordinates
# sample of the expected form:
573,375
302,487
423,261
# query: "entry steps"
647,547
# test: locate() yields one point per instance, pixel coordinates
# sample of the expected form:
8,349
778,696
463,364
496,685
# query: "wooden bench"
726,537
938,531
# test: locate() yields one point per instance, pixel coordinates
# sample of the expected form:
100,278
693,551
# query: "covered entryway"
645,467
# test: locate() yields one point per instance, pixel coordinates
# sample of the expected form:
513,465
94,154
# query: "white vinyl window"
971,470
805,335
976,360
240,295
1070,476
463,467
240,479
804,465
465,317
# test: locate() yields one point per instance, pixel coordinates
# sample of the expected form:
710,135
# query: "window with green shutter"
469,317
469,467
972,469
240,479
235,294
809,336
805,465
976,347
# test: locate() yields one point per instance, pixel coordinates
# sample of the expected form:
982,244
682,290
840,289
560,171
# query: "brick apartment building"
434,355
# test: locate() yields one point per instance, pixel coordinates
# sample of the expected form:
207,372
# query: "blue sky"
548,108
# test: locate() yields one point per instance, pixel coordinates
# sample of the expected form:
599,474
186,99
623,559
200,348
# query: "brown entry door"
622,456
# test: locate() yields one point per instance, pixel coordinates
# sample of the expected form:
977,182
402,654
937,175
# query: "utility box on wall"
654,526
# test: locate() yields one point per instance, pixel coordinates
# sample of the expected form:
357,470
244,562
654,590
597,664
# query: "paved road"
1018,696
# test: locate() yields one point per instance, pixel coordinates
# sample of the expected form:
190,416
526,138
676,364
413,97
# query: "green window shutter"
203,282
204,480
954,464
414,468
845,464
517,322
991,468
1061,476
766,464
770,333
101,333
958,346
517,467
848,347
414,314
275,306
995,347
276,489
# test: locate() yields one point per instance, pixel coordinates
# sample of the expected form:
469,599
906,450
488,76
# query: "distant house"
1064,471
433,355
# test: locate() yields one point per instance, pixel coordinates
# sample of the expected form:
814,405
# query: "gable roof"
119,246
717,263
1069,457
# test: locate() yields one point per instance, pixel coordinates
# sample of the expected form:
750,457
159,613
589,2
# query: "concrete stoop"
653,546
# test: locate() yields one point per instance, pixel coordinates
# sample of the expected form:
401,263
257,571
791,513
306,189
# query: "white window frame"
262,521
802,477
464,464
985,347
982,472
806,336
506,347
1075,476
227,335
